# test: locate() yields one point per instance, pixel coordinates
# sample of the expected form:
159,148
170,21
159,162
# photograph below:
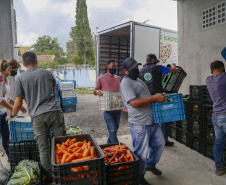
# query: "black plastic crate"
208,149
23,150
183,136
172,132
197,92
128,176
62,173
208,133
40,181
171,82
224,156
196,143
185,125
207,115
196,127
187,108
196,110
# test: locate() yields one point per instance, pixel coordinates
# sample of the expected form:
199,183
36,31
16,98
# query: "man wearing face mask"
110,82
216,85
151,74
146,135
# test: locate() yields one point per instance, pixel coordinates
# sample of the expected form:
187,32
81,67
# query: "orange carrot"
125,158
92,152
86,152
75,169
72,141
63,150
83,146
131,155
68,141
64,158
79,144
89,144
79,155
81,159
72,146
57,160
71,157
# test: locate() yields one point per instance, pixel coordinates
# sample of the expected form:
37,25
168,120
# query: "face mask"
134,73
13,73
112,71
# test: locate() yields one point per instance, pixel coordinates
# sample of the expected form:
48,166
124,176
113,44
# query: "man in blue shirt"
216,85
151,74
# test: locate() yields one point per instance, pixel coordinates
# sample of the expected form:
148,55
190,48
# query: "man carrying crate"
110,82
37,87
216,84
151,74
145,133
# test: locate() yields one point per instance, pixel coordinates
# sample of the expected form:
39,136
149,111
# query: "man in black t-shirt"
151,74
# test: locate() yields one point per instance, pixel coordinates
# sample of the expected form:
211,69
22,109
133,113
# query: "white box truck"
133,39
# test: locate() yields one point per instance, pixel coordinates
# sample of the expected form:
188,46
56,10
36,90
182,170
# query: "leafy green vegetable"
73,130
25,173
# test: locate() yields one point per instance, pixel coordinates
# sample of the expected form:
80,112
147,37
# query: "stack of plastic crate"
22,144
68,95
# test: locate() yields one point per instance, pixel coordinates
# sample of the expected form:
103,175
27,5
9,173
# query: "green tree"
47,46
81,34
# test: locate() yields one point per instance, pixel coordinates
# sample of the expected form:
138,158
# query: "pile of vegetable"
26,172
117,154
73,130
72,151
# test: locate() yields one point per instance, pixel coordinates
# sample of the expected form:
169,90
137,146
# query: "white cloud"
27,39
66,8
33,5
109,4
160,13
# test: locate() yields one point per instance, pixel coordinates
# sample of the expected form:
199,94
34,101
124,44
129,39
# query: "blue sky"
56,17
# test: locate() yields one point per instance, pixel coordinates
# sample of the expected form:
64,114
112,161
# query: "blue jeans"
112,120
164,127
219,123
4,131
143,137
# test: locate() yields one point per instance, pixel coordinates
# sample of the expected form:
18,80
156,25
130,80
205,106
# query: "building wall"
197,48
8,34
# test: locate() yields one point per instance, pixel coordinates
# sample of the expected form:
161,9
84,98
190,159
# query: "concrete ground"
180,165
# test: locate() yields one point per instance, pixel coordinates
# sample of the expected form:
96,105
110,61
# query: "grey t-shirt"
216,86
36,87
132,89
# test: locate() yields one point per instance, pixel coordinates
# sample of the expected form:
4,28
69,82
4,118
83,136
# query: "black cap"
150,57
130,63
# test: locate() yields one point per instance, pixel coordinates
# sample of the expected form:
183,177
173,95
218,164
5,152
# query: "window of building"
221,12
215,15
209,17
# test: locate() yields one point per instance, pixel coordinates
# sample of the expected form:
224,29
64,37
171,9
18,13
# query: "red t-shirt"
108,83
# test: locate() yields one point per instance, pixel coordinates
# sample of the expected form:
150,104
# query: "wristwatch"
11,116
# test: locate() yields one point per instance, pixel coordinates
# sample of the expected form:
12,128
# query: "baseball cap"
130,63
149,57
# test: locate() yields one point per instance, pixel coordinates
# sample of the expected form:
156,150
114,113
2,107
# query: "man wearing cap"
151,74
110,82
145,133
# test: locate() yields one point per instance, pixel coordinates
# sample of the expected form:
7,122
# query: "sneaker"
221,172
144,182
154,170
168,143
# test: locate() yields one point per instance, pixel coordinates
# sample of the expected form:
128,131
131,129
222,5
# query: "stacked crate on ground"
57,92
62,173
23,144
111,101
23,150
116,174
171,82
113,48
172,110
68,95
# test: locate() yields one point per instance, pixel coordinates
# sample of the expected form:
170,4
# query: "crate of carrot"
77,160
121,164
